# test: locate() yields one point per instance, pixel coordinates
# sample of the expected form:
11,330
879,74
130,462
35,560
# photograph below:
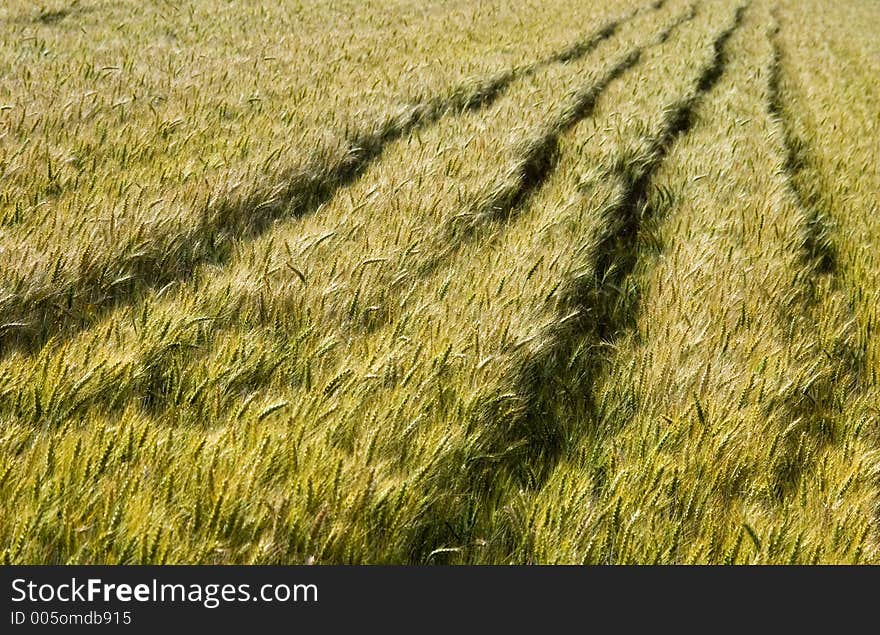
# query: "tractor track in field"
819,251
602,315
74,302
809,184
540,155
820,283
596,313
538,161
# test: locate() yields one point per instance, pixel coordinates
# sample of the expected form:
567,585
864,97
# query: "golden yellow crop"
399,282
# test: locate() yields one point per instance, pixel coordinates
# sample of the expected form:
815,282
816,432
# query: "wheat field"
432,282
